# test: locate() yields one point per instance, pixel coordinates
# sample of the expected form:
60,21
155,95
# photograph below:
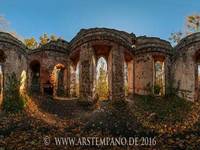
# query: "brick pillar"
87,69
67,77
72,80
65,80
130,77
116,71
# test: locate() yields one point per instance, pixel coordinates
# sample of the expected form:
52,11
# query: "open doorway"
35,76
159,77
102,79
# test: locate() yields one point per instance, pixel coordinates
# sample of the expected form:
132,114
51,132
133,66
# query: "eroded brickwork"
56,59
185,67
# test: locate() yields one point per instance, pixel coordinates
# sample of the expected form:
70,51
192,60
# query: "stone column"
86,72
116,63
65,80
72,80
68,77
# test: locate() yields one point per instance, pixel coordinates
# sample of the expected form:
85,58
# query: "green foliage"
126,89
13,101
172,89
149,89
102,83
53,38
157,89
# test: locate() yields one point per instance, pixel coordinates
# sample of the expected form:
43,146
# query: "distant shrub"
172,89
157,89
13,101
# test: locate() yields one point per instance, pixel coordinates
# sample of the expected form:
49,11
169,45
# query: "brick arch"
107,78
196,55
88,56
196,59
103,34
2,56
57,78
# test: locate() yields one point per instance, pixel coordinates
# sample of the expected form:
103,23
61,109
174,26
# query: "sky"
65,18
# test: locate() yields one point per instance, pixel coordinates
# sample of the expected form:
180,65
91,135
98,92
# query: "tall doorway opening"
35,77
102,79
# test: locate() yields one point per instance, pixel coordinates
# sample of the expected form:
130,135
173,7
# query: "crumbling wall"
147,51
48,59
185,67
15,60
180,64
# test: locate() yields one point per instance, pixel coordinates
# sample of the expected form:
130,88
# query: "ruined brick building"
51,68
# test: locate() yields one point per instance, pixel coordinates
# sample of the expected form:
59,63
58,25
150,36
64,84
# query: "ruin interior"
56,67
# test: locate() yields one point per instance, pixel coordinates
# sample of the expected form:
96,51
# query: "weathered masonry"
152,64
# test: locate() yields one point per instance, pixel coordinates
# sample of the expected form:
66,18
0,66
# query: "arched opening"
197,76
35,76
2,60
77,79
74,80
23,82
102,79
57,80
159,76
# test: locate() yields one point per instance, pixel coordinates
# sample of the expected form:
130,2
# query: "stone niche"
52,63
148,52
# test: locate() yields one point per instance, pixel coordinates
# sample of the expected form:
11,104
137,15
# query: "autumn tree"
53,38
44,39
176,37
192,26
193,23
31,43
102,82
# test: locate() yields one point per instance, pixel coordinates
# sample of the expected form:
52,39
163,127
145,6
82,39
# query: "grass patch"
162,109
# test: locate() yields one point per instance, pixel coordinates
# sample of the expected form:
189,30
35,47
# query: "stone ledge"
152,44
86,35
8,38
57,46
188,40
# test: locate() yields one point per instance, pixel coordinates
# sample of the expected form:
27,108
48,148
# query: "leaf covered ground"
173,122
